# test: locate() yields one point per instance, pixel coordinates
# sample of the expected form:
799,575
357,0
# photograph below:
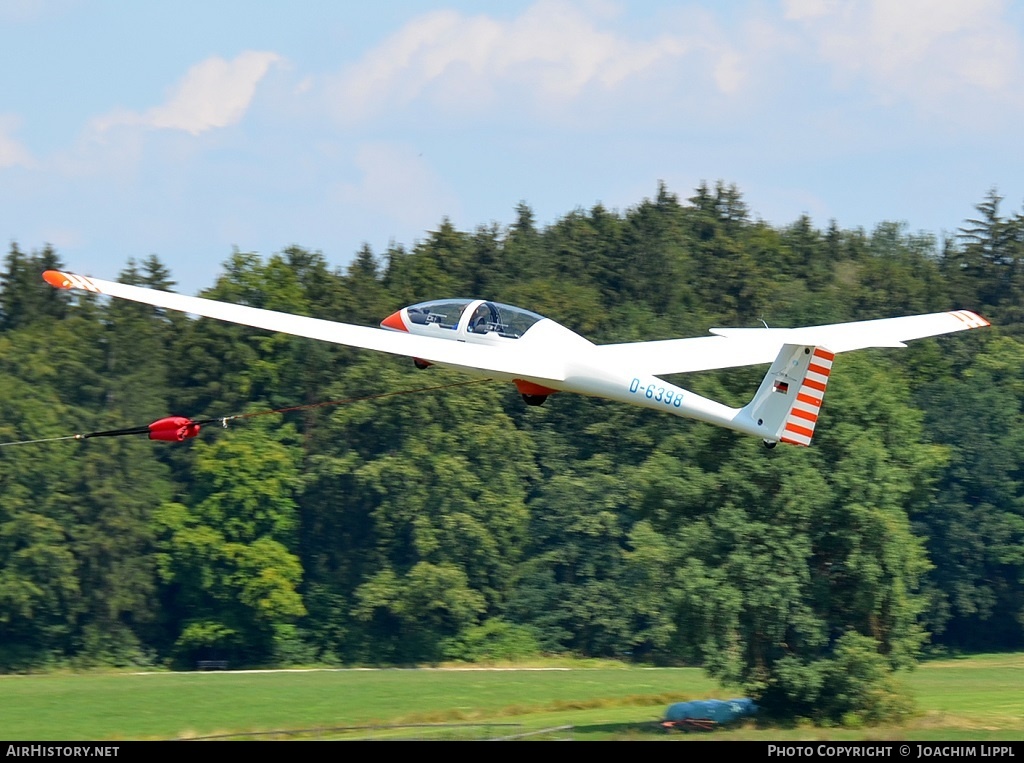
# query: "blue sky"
188,129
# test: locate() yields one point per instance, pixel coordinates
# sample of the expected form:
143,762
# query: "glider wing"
730,348
506,360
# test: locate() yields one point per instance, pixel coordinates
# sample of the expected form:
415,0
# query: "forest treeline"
460,524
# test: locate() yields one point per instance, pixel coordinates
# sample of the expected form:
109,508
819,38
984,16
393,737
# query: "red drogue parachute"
173,429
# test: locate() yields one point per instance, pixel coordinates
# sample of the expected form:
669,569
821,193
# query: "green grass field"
977,698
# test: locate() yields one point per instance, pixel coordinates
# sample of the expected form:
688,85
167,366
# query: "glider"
541,357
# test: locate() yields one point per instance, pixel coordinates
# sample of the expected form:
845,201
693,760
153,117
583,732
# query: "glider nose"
394,322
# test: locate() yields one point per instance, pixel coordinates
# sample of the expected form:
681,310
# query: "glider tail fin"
788,401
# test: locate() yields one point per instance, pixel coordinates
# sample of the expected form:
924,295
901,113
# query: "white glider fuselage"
581,367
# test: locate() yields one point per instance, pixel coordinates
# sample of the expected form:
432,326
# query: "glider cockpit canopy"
473,316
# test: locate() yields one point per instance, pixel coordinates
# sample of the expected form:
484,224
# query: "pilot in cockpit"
484,317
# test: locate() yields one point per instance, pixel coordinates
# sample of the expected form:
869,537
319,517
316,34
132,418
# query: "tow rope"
180,428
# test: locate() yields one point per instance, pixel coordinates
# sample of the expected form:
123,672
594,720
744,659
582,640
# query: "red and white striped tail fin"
803,415
788,402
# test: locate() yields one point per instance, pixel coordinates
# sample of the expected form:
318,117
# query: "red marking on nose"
394,321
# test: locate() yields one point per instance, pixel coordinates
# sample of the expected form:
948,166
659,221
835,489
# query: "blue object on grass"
716,710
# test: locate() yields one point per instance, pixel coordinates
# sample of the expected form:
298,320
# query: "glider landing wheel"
534,399
770,444
420,364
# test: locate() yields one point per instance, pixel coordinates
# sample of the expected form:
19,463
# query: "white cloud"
794,10
927,51
214,93
12,153
555,52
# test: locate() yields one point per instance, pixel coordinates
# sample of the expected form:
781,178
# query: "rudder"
803,414
788,402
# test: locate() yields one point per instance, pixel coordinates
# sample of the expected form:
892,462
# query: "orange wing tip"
58,280
61,280
972,319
